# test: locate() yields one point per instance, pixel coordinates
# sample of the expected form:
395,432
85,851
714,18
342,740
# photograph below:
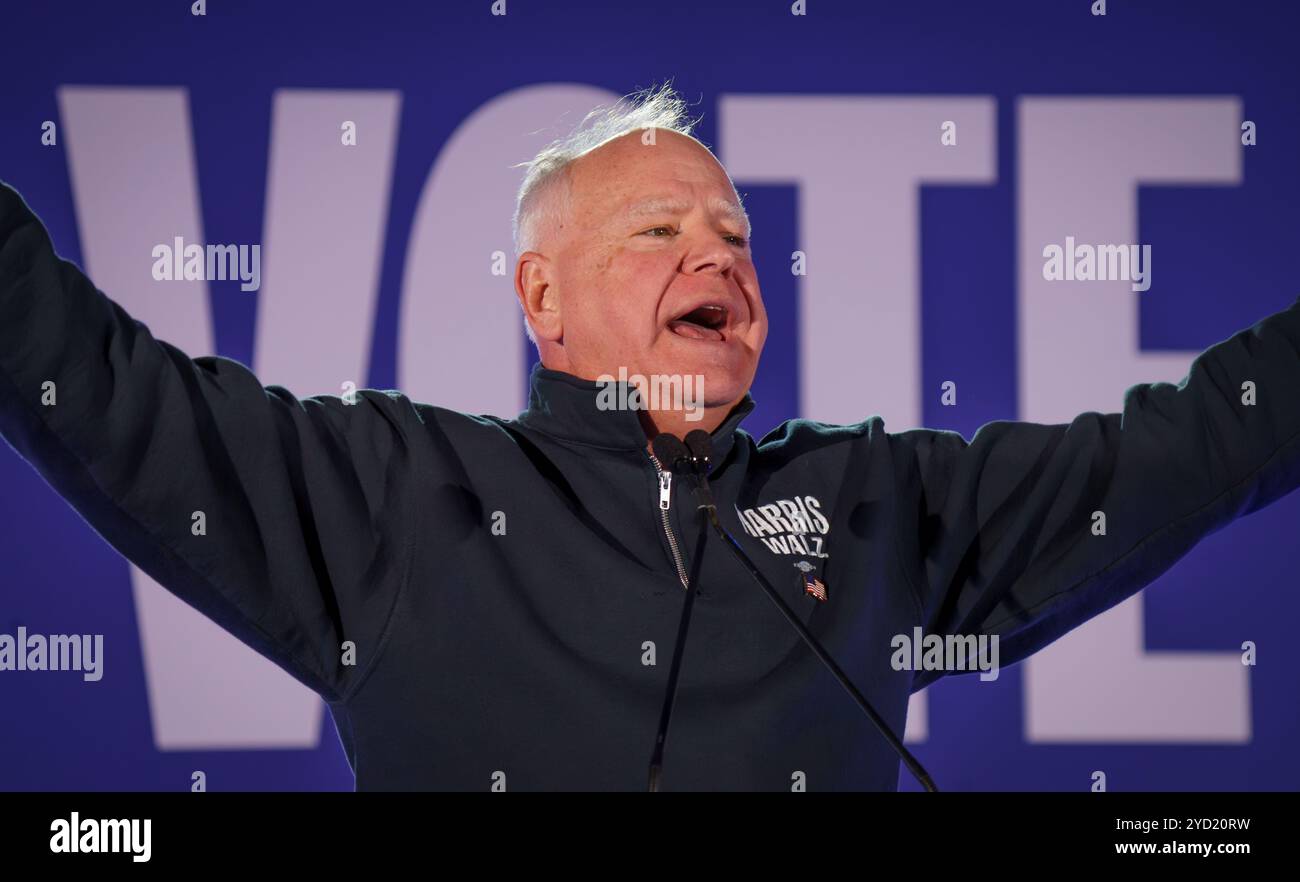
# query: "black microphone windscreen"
699,443
669,450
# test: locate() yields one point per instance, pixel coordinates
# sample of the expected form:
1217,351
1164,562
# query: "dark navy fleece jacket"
506,581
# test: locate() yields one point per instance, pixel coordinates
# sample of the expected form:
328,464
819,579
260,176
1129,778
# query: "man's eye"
738,241
655,229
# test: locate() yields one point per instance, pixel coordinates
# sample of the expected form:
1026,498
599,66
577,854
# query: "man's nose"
707,252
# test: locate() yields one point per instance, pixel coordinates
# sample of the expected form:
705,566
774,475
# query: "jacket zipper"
665,506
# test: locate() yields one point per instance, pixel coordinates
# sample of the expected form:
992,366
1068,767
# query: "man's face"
652,269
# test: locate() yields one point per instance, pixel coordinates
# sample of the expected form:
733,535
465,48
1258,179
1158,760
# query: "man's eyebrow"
736,212
655,206
668,205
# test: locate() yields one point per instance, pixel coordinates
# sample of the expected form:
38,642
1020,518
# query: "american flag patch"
814,587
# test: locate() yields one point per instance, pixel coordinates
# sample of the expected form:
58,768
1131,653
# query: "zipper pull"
665,490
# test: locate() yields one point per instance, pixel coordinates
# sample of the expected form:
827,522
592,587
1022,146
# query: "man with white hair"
511,588
641,264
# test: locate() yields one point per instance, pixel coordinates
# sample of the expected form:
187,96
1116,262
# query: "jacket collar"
567,407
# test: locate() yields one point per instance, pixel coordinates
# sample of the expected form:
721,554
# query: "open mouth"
702,323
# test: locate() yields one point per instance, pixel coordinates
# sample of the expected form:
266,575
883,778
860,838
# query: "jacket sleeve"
285,521
1007,539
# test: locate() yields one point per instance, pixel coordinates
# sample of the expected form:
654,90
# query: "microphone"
670,451
699,444
675,458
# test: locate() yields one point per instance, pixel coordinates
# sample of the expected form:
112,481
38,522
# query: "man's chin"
711,377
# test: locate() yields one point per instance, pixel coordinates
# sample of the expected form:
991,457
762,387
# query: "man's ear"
538,295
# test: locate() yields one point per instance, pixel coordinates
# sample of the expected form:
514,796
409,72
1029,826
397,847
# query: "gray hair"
543,196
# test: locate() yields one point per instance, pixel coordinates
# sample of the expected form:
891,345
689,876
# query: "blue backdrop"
1226,257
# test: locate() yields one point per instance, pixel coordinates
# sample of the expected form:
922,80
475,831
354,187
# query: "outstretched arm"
1010,539
307,514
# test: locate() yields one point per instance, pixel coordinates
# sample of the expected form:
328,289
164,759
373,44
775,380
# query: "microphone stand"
694,454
